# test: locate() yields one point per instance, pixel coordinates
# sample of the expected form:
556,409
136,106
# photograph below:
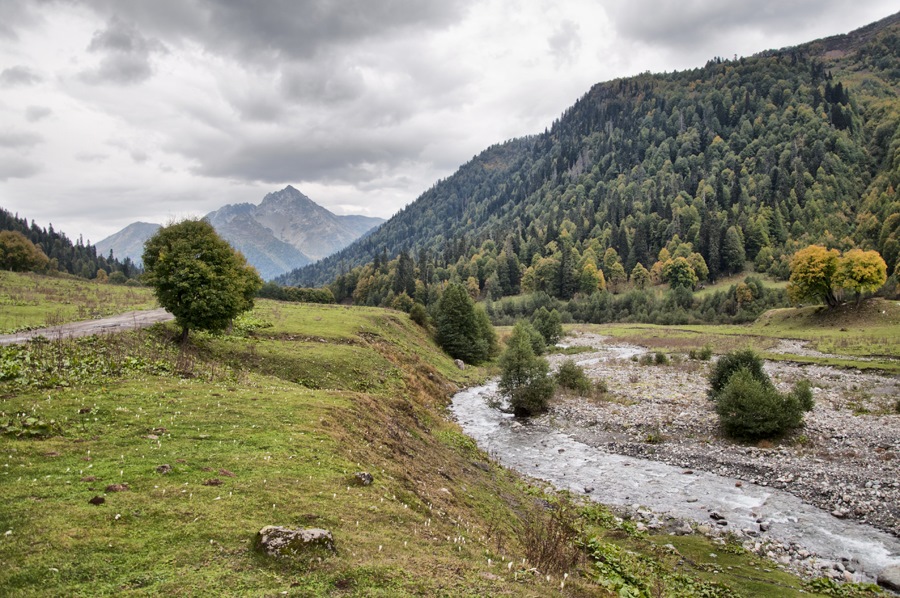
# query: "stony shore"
845,459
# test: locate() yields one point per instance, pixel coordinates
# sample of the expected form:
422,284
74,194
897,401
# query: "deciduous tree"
19,254
861,272
813,271
198,277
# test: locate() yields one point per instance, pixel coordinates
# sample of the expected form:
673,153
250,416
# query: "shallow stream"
539,451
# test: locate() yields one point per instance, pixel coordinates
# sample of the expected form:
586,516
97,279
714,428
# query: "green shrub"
600,387
549,324
661,358
703,354
418,315
730,363
803,393
571,376
752,408
524,376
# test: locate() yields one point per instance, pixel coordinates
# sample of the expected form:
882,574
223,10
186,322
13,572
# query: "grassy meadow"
30,301
866,336
268,425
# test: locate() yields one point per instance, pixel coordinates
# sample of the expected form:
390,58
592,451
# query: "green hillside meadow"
268,425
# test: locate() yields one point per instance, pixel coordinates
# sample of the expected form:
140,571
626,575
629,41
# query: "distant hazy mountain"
128,242
287,230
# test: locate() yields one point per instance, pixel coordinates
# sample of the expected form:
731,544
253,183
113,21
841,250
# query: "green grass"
865,336
723,284
263,427
30,301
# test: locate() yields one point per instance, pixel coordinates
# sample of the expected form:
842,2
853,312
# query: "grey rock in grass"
275,540
890,578
363,478
459,363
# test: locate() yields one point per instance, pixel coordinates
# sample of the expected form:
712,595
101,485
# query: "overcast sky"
114,111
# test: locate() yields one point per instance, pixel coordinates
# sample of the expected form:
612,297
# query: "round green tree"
198,277
19,254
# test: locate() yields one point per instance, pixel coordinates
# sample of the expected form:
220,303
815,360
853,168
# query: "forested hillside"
75,258
739,163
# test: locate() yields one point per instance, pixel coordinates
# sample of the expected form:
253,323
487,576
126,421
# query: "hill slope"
191,450
761,154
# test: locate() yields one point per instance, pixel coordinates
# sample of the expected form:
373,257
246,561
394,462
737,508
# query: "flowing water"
541,452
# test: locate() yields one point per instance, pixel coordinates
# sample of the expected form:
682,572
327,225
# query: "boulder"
890,578
459,363
276,540
363,478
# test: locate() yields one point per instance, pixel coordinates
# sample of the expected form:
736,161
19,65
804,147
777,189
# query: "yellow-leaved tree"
817,273
813,272
861,272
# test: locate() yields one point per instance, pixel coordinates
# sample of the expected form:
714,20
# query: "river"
540,451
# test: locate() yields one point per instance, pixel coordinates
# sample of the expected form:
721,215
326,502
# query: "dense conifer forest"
733,167
76,257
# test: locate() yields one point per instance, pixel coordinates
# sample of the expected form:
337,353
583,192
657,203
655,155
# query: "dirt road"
128,321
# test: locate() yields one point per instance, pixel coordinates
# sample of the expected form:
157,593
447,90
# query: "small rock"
281,541
890,578
97,500
588,489
716,515
213,482
764,526
117,488
363,478
738,484
164,468
722,522
459,363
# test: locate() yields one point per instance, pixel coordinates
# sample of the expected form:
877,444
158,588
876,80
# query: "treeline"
742,161
740,303
76,258
270,290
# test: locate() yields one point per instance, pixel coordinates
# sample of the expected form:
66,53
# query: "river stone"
890,578
276,540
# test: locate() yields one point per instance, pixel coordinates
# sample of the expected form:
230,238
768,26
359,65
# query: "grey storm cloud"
125,54
16,167
565,42
352,157
36,113
19,75
19,140
287,29
690,22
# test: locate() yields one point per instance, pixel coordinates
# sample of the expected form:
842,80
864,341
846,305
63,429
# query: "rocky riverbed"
846,458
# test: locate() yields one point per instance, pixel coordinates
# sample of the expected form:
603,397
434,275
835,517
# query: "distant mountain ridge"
128,242
286,230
